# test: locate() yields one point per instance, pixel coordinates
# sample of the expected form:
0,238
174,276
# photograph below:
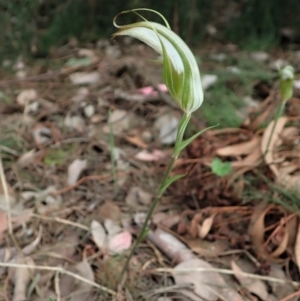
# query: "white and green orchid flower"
180,70
182,78
287,76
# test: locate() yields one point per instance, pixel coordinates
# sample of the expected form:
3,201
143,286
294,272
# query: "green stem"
181,129
277,116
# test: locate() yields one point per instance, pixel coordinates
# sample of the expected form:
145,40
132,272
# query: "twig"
58,270
57,288
61,220
291,296
82,180
228,272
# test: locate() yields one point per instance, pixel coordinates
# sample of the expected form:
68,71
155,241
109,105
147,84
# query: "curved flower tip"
180,69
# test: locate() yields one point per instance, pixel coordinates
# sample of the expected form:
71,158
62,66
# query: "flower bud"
180,70
287,76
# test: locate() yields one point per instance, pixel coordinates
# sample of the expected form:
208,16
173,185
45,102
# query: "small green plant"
220,168
286,80
182,78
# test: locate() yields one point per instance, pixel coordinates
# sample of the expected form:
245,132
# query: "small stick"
58,270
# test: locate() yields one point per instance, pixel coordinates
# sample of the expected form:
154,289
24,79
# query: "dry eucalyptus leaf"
26,158
98,234
257,230
21,277
84,78
167,125
206,226
11,194
112,227
255,286
76,289
208,285
75,169
75,123
244,148
110,210
83,269
274,140
136,195
120,120
170,245
280,290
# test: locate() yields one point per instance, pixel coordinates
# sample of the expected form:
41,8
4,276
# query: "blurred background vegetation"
34,26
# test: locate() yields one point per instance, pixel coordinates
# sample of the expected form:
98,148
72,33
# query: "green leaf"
74,62
168,183
144,233
181,146
56,157
220,168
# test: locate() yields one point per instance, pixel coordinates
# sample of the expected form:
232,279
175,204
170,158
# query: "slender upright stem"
279,112
181,129
143,231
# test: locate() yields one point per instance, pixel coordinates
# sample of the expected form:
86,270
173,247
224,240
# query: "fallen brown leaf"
257,231
240,149
20,278
208,285
280,290
255,286
268,154
75,169
297,248
204,229
78,290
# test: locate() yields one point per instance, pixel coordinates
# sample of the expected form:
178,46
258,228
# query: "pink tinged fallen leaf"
208,285
146,156
21,278
255,286
150,91
75,169
119,242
